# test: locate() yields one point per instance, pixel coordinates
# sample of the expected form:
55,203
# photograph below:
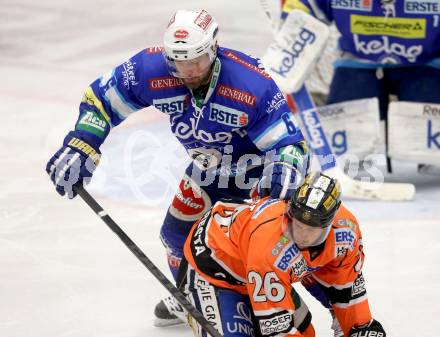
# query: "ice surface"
62,272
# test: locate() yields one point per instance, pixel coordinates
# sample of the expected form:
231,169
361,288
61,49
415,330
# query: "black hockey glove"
371,329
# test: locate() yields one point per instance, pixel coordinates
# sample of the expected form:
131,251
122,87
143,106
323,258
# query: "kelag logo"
304,37
392,50
433,137
315,130
433,112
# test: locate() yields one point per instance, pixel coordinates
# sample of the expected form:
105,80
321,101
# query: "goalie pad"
296,49
414,132
353,127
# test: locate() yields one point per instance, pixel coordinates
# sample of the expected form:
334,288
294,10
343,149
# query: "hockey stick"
318,142
177,294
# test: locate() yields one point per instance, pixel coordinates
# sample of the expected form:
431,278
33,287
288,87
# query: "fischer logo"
304,38
393,49
403,28
159,83
314,128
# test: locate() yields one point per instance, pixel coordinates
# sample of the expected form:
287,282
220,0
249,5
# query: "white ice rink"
63,273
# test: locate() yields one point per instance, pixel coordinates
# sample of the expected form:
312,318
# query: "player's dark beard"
200,92
204,82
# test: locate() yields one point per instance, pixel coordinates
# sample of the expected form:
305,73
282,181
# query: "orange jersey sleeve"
341,277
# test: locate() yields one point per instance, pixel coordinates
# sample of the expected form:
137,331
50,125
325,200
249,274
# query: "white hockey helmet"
189,35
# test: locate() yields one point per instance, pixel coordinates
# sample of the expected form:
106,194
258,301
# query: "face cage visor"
195,67
306,236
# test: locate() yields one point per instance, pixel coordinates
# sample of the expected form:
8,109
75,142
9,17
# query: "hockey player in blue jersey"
223,108
387,48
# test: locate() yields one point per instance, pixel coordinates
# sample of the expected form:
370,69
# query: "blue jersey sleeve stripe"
271,136
118,104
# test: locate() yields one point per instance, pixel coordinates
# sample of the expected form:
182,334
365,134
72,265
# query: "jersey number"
272,289
290,125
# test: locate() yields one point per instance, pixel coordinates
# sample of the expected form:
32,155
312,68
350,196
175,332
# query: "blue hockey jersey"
243,113
381,32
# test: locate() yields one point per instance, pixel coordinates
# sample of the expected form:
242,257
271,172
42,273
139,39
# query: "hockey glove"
73,164
281,177
371,329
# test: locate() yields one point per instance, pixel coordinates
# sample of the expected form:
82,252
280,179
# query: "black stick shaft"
93,204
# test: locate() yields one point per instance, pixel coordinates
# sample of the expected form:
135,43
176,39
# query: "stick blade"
363,190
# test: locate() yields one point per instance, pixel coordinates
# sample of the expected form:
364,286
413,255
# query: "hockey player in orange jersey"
242,259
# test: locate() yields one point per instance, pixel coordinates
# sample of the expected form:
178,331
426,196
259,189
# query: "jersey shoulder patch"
263,206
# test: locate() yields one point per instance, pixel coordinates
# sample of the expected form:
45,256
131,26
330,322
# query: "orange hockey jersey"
247,248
